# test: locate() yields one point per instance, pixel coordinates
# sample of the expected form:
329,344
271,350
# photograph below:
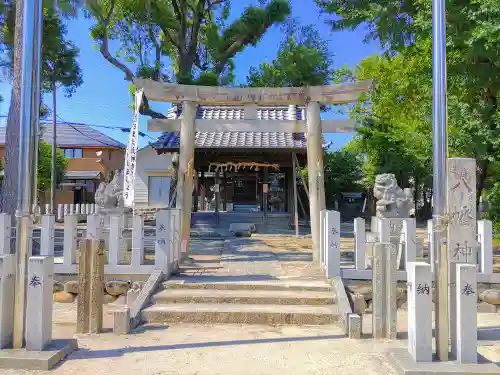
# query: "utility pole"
53,182
440,156
28,155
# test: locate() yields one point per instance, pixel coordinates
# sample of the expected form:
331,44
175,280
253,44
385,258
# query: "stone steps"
221,299
240,314
277,285
265,297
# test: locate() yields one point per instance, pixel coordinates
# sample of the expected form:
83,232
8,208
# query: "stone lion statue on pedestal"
392,201
109,194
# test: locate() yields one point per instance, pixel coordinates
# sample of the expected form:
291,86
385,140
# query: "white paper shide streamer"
131,155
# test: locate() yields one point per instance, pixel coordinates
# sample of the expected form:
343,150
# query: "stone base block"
404,364
121,321
35,360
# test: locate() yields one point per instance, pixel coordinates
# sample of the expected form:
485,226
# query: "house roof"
257,140
82,175
73,135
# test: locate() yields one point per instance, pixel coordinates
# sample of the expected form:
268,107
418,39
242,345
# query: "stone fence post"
39,302
7,280
485,234
47,235
360,243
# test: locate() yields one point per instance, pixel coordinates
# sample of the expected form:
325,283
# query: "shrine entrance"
244,188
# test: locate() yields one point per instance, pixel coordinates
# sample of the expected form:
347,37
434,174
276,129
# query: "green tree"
11,21
343,173
44,173
187,42
404,28
60,69
303,60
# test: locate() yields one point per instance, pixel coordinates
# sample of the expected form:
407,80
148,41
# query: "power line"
71,124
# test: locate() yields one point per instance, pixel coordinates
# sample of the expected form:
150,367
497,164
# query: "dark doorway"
245,189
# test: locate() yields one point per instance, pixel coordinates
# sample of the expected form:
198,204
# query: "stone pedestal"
162,241
115,239
83,301
70,239
485,234
96,286
466,310
94,227
121,321
390,283
420,311
5,233
360,243
332,243
384,291
47,235
39,302
378,281
137,240
7,280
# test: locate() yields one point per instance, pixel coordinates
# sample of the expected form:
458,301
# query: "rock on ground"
117,287
71,287
64,297
491,296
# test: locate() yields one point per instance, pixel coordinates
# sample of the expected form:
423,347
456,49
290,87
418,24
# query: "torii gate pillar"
186,171
315,173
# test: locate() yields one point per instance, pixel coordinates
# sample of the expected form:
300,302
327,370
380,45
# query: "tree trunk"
8,199
53,182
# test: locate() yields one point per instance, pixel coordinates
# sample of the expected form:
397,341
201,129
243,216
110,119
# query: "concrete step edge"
269,297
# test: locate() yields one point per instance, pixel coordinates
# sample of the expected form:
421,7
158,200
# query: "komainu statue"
392,201
109,194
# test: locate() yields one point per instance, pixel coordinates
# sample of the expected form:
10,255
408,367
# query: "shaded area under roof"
73,135
82,175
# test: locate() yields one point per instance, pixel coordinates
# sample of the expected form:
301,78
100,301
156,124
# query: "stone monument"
109,194
392,201
395,204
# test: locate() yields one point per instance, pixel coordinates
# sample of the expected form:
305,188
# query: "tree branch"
230,52
105,47
144,109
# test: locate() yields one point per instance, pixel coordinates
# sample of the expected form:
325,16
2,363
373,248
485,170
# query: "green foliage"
59,65
44,165
186,42
343,172
303,60
59,56
401,102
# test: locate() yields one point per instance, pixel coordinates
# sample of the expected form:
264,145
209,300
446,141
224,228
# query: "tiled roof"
81,175
73,135
273,140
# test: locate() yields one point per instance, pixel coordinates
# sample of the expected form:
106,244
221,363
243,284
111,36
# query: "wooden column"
295,205
315,173
217,195
265,193
196,192
203,191
186,168
224,202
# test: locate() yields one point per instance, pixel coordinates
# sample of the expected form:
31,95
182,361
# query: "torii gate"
310,97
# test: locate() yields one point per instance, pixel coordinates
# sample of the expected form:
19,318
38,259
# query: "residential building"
91,156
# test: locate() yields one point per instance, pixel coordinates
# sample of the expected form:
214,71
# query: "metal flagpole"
28,155
440,155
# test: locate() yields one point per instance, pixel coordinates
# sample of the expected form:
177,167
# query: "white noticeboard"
131,155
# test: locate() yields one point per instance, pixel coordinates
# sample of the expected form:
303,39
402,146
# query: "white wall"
149,164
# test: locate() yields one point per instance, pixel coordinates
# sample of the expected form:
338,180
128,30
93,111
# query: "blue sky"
103,99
